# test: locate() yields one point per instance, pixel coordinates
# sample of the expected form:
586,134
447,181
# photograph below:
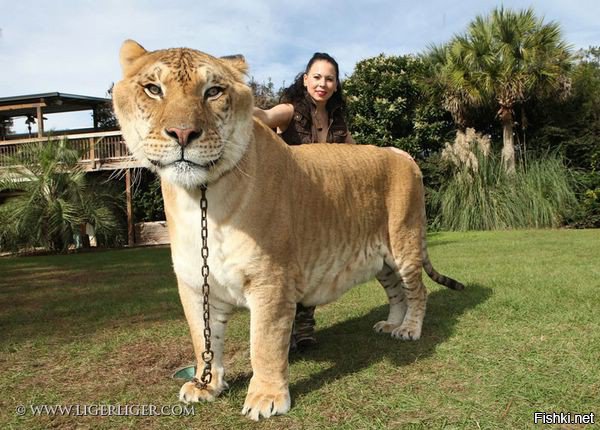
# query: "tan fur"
286,224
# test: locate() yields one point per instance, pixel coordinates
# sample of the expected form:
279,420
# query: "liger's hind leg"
394,288
408,298
416,301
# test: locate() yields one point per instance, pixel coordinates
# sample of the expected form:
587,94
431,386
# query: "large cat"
286,225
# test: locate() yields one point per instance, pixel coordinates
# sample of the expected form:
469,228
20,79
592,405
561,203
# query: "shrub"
54,198
389,105
587,214
147,198
538,195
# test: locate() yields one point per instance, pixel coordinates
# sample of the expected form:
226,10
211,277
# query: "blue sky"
72,46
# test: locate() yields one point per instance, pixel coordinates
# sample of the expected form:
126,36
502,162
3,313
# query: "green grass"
107,328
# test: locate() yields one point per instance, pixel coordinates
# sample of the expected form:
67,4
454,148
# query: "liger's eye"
153,90
213,92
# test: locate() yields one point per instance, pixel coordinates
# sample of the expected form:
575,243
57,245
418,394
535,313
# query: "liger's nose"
183,135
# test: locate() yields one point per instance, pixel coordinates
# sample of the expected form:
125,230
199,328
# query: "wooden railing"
99,151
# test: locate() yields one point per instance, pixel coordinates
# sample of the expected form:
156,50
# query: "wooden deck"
99,150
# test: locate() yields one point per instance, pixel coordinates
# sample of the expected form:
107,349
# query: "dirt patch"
154,360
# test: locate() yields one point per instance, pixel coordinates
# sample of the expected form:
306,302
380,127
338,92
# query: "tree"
573,127
148,203
54,198
265,96
583,143
573,124
505,59
105,115
389,105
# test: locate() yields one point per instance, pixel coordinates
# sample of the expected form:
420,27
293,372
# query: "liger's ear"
238,62
130,51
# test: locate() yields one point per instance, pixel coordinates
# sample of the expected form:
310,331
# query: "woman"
311,110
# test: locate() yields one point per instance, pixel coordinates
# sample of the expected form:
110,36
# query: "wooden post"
95,116
40,121
93,153
130,232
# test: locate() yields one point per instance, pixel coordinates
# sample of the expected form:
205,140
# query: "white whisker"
117,174
238,169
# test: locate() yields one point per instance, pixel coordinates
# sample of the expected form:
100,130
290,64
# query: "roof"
53,103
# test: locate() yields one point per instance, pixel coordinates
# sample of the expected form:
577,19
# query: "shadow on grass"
71,296
352,345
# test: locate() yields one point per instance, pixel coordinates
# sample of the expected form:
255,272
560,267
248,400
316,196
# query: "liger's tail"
439,278
431,272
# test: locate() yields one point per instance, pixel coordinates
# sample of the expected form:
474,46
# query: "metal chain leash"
208,354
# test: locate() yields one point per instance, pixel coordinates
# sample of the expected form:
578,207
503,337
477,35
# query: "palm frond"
55,198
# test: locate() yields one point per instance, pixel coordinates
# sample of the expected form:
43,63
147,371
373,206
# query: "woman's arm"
277,117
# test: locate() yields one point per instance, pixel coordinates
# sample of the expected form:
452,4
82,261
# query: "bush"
54,198
389,105
147,198
538,195
587,214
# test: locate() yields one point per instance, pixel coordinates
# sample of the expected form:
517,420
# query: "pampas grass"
538,195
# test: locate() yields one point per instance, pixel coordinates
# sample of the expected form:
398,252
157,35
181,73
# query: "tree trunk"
508,150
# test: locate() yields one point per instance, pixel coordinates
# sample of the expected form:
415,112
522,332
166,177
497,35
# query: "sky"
72,46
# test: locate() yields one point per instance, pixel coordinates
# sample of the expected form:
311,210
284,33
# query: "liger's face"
320,81
185,114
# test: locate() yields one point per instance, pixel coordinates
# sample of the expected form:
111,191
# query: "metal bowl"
186,373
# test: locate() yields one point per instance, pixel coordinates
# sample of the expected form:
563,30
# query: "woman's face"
320,81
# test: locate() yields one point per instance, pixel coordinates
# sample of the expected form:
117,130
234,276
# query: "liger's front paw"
264,400
399,331
190,393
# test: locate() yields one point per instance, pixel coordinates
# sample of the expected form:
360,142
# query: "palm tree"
54,199
504,58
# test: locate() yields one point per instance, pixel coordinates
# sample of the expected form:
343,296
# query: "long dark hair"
297,94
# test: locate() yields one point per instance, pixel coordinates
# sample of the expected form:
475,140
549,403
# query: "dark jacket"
302,129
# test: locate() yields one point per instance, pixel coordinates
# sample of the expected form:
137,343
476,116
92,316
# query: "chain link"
208,354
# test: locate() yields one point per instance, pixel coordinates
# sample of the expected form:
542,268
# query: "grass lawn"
107,328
